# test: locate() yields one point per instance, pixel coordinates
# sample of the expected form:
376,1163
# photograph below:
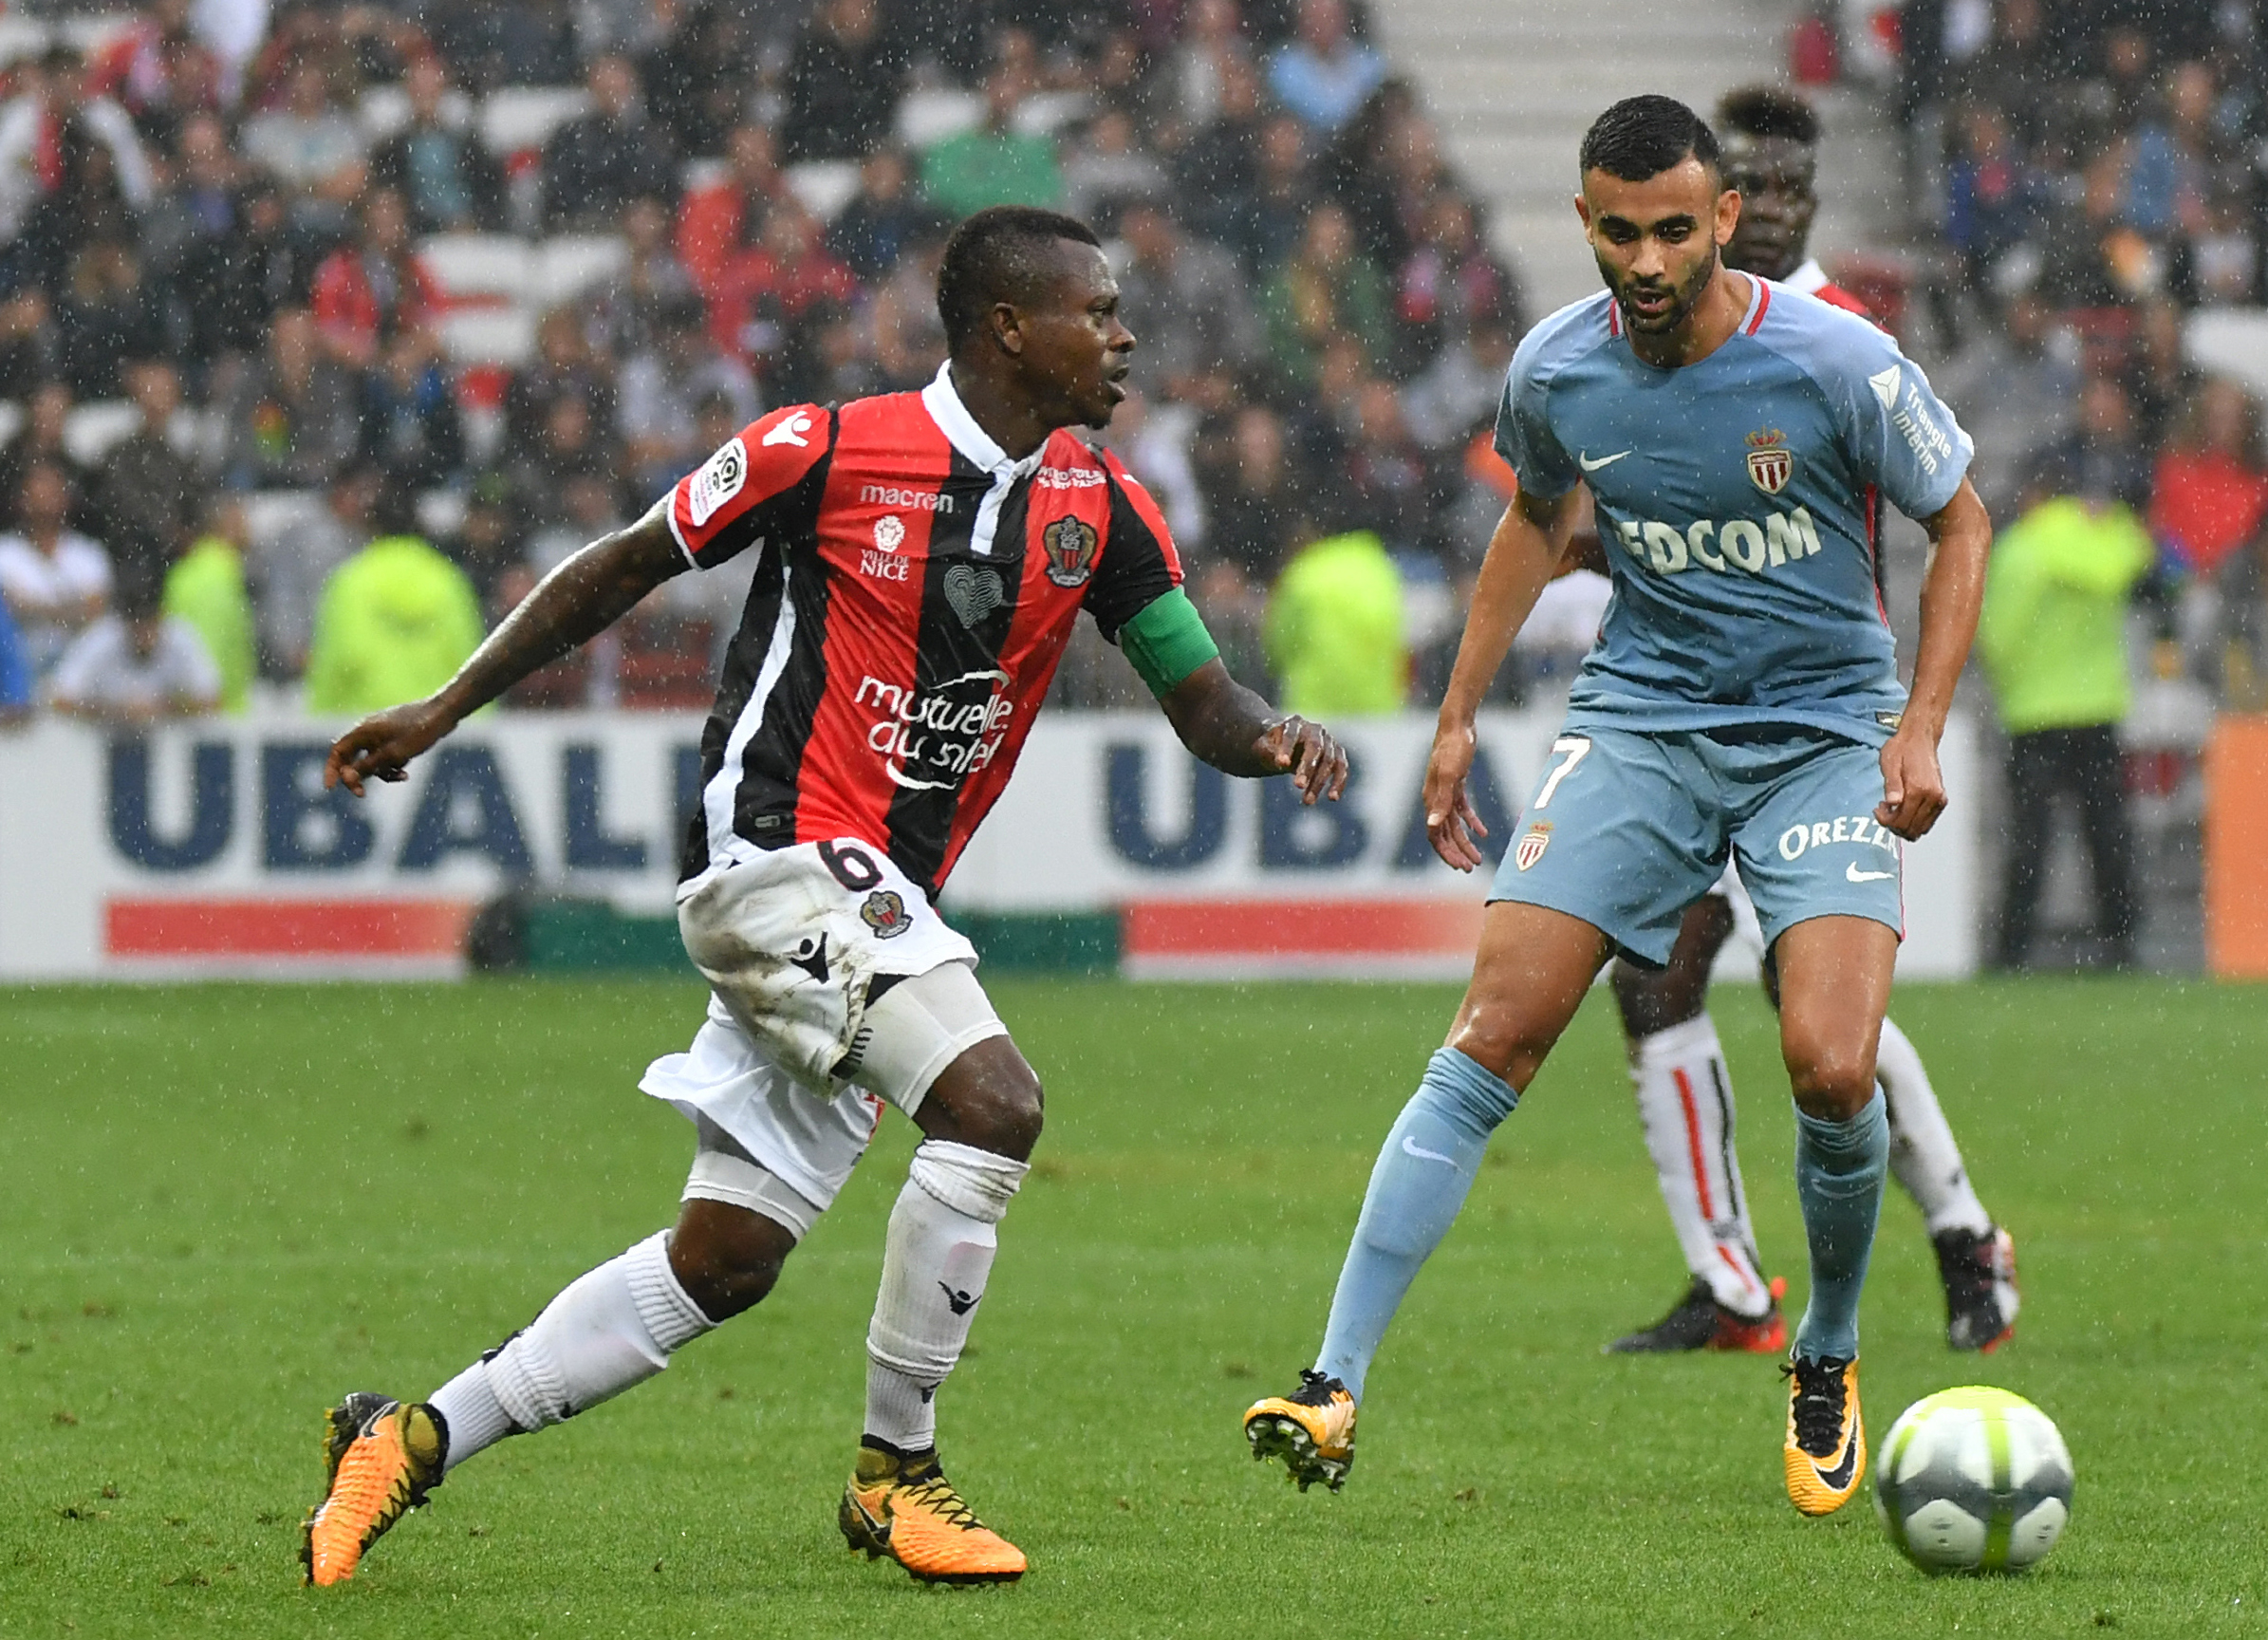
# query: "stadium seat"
1050,111
269,512
12,421
520,117
926,118
2230,342
92,429
480,265
567,267
824,186
489,335
386,109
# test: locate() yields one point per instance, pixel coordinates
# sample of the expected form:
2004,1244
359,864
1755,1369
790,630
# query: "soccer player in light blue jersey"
1743,700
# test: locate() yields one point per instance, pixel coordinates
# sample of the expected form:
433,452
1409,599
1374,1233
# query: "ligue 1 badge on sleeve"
1069,544
1770,463
1533,846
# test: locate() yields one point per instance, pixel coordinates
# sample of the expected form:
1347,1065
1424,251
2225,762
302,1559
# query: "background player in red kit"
924,558
1771,140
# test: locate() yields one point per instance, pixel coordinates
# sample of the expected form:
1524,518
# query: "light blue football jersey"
1737,501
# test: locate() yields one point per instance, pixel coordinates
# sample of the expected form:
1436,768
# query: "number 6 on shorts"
1576,749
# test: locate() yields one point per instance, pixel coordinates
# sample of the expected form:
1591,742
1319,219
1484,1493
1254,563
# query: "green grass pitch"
222,1206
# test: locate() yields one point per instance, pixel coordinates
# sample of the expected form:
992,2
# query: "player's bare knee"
989,1098
1831,1080
727,1257
1652,1000
1502,1043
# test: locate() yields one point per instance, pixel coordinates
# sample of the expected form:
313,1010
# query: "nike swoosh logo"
878,1525
1590,466
1411,1147
1855,875
1839,1477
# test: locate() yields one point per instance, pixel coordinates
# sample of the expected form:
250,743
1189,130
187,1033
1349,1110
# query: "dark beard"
1681,302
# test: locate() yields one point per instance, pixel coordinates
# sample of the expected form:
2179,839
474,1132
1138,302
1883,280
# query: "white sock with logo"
610,1329
933,1268
1924,1156
1685,1105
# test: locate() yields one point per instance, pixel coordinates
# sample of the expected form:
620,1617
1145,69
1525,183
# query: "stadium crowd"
321,342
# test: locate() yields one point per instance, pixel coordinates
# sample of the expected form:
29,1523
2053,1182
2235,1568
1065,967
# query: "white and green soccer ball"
1974,1479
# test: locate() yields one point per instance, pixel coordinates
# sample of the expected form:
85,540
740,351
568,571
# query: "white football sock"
1685,1105
611,1328
933,1267
1922,1154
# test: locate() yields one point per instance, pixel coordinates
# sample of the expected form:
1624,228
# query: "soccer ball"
1974,1479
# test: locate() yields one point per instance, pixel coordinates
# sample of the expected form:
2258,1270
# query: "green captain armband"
1166,642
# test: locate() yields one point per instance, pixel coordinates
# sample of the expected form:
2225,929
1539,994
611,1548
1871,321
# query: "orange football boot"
1825,1453
383,1457
1312,1429
906,1509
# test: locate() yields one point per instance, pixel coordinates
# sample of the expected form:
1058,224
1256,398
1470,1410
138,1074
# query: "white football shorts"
799,1054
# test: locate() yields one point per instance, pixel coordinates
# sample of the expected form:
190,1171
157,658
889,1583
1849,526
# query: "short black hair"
998,255
1769,111
1641,136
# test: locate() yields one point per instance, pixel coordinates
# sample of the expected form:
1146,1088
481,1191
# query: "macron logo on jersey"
1920,428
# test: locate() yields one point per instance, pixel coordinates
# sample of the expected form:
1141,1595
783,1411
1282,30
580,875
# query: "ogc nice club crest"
1069,544
1771,464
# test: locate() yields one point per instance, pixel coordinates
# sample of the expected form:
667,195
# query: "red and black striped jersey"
1813,281
914,594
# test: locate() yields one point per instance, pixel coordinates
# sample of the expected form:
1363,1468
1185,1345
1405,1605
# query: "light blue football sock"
1420,1183
1839,1169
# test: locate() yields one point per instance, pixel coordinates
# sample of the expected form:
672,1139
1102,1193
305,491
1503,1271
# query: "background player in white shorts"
922,557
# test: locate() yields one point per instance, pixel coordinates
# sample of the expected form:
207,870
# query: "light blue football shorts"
1627,830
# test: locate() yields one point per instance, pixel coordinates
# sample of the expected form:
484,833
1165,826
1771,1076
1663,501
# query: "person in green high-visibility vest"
395,622
1334,630
205,588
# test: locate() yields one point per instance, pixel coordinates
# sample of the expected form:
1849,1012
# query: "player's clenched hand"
1913,789
1317,762
1451,823
380,746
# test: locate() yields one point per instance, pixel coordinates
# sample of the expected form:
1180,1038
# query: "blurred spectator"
107,313
1106,169
1271,221
310,145
206,588
996,163
290,566
1217,163
663,382
292,418
769,302
2105,458
2053,639
1385,470
565,367
55,580
569,442
1327,290
409,417
58,139
526,42
146,489
134,666
1185,302
884,217
488,540
1993,197
1334,632
1459,390
908,337
395,622
619,314
1212,48
437,162
374,289
157,70
2016,397
1258,498
186,234
844,82
716,222
2209,493
42,442
1324,75
700,78
258,265
1450,279
595,165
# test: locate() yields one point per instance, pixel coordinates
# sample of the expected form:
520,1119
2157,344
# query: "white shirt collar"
942,401
1810,279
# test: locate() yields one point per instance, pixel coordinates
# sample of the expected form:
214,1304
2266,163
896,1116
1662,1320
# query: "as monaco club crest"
1771,464
1533,846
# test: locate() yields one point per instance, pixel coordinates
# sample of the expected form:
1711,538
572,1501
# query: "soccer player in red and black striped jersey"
1771,155
922,557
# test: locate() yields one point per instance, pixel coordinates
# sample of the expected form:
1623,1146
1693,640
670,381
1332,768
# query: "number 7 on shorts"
1575,748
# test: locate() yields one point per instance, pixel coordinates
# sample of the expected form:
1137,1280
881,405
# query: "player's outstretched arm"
1522,556
1913,788
580,599
1233,729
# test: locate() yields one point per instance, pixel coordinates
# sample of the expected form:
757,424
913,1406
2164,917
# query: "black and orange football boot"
1825,1453
1312,1429
905,1508
1699,1321
383,1457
